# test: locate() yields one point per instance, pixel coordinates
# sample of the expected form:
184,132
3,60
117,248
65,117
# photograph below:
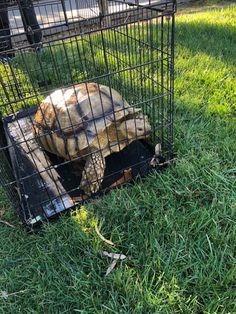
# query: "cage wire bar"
125,45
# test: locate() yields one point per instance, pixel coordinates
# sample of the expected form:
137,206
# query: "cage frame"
161,11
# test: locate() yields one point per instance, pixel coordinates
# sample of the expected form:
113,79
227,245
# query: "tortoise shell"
71,120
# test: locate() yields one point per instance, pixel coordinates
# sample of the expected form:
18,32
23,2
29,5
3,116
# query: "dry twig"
6,223
5,294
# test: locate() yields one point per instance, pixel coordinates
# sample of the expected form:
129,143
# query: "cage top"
87,3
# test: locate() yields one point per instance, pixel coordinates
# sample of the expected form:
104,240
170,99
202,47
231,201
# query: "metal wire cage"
115,60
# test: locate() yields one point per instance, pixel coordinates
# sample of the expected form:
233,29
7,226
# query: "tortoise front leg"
93,173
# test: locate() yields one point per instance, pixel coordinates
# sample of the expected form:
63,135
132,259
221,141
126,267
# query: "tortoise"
88,121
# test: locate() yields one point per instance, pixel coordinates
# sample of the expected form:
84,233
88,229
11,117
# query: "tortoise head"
136,128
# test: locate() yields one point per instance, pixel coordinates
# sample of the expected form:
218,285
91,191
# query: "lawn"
177,228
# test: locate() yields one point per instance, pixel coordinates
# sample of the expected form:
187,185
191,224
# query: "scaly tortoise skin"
88,122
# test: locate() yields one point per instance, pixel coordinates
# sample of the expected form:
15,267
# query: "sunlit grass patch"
84,218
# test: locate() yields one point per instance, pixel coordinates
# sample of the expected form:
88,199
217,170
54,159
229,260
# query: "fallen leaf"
4,295
155,160
102,237
79,199
111,267
158,149
114,255
127,175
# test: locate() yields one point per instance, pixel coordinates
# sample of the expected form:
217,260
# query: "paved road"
50,12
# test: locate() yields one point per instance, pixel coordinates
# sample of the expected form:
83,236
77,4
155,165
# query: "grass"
177,228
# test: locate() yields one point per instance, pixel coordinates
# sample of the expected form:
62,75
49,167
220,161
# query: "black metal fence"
89,51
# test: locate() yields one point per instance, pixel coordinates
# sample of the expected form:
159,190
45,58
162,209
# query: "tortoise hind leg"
93,173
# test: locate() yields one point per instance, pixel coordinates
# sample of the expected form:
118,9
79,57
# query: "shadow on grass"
218,41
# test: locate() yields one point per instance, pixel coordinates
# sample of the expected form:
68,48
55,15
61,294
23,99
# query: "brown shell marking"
84,88
72,100
45,115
